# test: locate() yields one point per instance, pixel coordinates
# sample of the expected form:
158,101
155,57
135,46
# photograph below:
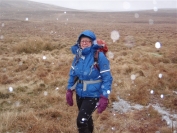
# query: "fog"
112,5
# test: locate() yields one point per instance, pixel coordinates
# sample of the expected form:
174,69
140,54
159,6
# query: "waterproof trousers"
86,107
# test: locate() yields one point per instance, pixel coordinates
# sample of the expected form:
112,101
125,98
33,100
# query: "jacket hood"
75,48
89,34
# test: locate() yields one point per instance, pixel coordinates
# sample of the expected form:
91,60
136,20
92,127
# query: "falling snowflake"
133,77
136,15
157,45
10,89
44,57
126,5
155,9
115,35
160,75
162,96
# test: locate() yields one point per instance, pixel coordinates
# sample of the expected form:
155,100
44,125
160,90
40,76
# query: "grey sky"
113,5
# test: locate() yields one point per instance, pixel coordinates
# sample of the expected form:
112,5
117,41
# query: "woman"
92,85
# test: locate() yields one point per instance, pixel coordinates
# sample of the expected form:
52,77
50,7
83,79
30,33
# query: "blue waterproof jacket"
94,82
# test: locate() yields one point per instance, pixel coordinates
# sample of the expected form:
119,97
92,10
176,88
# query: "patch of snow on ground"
123,106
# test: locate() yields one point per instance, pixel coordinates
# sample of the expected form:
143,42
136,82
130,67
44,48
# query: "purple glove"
69,97
103,103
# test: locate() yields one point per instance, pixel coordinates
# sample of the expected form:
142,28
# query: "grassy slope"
36,106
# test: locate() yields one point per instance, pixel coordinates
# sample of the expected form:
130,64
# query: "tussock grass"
37,103
34,45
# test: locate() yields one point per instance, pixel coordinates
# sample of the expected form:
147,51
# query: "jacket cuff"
106,93
102,96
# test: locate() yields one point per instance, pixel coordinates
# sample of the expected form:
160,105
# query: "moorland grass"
37,103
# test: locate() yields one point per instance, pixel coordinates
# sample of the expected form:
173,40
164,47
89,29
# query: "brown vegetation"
37,103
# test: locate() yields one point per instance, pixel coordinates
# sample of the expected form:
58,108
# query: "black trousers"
86,107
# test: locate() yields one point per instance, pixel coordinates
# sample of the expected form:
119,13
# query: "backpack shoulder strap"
96,56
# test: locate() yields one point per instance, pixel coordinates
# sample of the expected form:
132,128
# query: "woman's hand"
102,104
69,97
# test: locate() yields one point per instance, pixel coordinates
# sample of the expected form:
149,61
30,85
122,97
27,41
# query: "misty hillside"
20,9
26,5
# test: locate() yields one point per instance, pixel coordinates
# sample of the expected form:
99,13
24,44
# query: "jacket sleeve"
106,75
72,76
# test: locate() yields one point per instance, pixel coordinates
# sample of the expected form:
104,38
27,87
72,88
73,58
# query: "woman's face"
85,42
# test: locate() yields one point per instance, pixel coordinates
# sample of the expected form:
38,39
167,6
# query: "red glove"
69,97
102,104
